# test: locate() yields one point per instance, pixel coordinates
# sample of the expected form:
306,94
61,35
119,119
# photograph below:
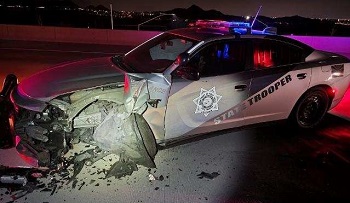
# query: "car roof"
199,34
204,34
290,41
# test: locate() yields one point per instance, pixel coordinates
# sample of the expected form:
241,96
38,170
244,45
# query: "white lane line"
56,50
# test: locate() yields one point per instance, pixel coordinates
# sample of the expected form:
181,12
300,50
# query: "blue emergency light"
236,27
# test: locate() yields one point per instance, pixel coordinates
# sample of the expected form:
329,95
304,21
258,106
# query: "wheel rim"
312,109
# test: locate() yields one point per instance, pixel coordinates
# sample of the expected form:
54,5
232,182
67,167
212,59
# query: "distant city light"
100,11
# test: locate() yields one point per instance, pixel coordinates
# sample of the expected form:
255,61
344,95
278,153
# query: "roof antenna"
256,15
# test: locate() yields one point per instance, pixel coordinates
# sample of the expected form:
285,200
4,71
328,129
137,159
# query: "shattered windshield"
157,54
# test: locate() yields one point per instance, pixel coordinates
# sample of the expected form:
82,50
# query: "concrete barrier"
80,35
331,44
133,37
129,37
74,35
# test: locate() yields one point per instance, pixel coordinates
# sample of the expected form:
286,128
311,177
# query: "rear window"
271,53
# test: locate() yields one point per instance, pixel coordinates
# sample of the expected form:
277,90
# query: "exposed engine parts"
96,117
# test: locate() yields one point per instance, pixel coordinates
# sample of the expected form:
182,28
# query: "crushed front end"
38,142
43,132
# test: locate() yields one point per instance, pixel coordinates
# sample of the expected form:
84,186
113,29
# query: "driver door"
216,100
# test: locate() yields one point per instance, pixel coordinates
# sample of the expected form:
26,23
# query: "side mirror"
183,70
182,59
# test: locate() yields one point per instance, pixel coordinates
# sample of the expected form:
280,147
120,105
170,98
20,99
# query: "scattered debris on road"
208,175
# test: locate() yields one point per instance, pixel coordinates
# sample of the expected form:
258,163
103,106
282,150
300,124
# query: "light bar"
236,27
221,23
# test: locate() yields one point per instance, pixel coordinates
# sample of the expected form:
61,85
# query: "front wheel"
311,108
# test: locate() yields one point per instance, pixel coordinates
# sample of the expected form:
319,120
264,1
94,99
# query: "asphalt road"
265,163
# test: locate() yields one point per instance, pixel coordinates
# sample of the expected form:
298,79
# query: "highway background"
267,163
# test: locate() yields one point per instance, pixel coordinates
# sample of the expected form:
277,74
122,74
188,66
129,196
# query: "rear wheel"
311,108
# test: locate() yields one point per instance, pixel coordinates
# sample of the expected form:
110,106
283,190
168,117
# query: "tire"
147,136
311,108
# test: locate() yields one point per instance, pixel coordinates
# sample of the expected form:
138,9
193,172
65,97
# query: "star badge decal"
207,101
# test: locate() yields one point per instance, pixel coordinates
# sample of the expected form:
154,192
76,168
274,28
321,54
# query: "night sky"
271,8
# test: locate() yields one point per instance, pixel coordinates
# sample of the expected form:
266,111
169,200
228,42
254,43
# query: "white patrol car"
178,84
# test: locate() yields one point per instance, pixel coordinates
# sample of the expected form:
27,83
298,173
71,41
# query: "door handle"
240,87
301,76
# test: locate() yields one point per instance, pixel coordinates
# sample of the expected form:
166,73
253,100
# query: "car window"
169,49
220,58
270,54
157,54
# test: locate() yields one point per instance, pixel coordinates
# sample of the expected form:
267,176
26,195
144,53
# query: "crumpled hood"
69,77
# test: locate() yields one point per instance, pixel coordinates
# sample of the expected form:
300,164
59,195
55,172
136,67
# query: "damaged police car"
181,83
